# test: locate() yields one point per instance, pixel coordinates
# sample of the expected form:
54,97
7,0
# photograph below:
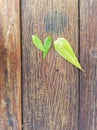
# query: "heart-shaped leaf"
63,47
37,42
47,45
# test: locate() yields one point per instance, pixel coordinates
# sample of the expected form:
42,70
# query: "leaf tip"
33,36
82,70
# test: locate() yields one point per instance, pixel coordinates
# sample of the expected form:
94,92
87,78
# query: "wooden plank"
10,65
50,86
88,56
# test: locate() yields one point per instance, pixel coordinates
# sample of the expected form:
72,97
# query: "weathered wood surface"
50,86
10,65
88,56
51,94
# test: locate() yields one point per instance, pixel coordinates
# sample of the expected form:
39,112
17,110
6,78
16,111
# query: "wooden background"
50,94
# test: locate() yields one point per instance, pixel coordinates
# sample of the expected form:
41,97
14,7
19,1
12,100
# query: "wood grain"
50,86
88,56
10,65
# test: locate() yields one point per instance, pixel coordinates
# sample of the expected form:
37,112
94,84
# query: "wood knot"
55,22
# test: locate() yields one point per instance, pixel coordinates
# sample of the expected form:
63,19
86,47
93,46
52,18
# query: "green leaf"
47,45
63,47
37,42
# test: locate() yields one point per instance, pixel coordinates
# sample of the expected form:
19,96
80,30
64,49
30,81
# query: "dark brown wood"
50,86
88,56
10,65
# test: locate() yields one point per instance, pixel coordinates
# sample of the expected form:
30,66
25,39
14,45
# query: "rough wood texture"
10,65
50,86
88,56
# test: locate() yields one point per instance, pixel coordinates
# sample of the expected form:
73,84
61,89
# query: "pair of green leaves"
61,45
38,43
